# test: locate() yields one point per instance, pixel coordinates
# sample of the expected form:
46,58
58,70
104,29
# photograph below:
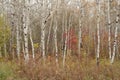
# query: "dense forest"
59,39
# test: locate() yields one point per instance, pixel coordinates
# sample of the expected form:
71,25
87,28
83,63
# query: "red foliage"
71,39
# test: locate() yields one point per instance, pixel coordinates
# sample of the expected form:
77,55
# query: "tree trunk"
116,32
109,26
98,32
49,32
65,42
80,31
43,39
18,42
25,30
55,39
32,44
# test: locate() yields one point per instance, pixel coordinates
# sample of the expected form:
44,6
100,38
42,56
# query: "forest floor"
84,69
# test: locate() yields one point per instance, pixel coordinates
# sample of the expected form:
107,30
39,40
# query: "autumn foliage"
72,40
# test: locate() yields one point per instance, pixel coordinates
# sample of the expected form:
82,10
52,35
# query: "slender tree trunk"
98,32
44,15
23,49
115,43
4,46
13,29
62,37
49,32
116,32
80,38
25,30
18,42
69,35
80,31
10,49
43,39
32,44
117,51
109,26
65,43
55,39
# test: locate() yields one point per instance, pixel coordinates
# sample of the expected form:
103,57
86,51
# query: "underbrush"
7,70
74,69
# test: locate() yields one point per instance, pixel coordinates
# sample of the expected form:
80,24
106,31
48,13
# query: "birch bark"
43,30
116,32
55,39
18,41
25,30
109,26
49,32
65,43
32,44
80,26
98,32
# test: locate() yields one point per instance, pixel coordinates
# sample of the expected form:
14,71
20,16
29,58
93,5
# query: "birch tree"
44,16
65,41
25,29
5,47
116,32
12,30
49,32
17,33
43,31
55,39
80,26
109,29
32,44
98,31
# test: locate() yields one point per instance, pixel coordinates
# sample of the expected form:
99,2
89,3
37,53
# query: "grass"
8,70
84,69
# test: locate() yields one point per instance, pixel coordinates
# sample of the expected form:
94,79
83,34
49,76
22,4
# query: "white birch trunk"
116,32
98,32
43,30
69,36
5,47
62,40
23,49
43,39
109,26
55,39
80,38
65,43
80,31
32,44
18,42
12,33
25,30
48,39
114,45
